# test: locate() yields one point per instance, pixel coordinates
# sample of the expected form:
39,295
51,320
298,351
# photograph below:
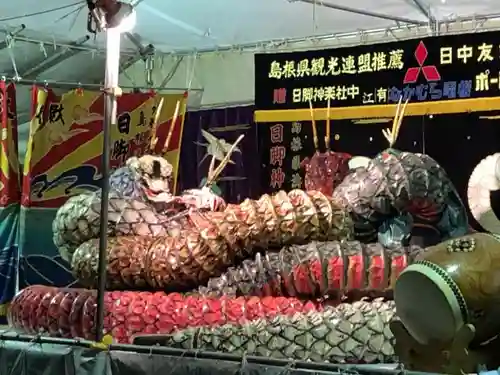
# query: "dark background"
458,142
264,86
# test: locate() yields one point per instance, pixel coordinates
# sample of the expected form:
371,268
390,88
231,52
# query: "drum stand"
453,357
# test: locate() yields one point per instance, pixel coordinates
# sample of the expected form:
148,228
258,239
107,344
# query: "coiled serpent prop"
163,242
140,203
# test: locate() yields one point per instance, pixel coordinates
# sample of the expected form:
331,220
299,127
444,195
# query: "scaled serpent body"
397,191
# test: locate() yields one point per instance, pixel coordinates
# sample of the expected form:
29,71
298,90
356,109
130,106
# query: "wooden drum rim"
451,294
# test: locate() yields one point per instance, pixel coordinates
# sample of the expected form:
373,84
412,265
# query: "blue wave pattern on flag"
83,177
41,269
44,267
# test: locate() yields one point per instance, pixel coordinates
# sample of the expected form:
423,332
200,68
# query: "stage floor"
27,355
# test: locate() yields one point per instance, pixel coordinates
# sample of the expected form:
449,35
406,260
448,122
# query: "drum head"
429,303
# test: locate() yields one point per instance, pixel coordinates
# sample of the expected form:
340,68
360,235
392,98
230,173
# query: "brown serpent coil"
214,241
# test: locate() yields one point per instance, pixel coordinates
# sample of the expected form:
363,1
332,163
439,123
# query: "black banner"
429,69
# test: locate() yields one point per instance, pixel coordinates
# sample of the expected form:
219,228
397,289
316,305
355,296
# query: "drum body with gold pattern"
451,284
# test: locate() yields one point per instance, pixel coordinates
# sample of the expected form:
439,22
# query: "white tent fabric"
209,46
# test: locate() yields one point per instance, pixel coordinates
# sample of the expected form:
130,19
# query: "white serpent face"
359,162
203,199
497,169
154,175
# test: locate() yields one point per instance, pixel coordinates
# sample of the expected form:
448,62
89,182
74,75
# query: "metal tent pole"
476,21
111,76
425,9
469,24
55,59
87,86
363,12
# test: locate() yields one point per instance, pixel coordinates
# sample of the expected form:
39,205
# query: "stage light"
111,14
123,17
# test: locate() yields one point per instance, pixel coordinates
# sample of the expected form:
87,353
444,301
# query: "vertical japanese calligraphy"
296,147
429,69
277,154
284,146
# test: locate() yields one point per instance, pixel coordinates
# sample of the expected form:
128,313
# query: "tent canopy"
195,24
209,45
55,44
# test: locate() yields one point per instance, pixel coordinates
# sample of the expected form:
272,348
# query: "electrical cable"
39,13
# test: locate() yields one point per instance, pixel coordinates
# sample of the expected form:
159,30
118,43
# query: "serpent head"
325,170
387,153
153,175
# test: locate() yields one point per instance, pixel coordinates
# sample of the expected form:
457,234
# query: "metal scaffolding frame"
425,9
440,26
362,12
143,52
403,28
458,25
55,58
87,86
18,36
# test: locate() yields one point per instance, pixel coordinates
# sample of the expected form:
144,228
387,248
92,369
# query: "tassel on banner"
79,91
173,123
12,115
4,123
10,142
3,102
10,195
39,99
5,294
9,163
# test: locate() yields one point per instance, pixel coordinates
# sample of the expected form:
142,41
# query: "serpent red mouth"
152,193
157,195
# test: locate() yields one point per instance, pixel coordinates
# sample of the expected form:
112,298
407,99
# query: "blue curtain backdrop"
239,180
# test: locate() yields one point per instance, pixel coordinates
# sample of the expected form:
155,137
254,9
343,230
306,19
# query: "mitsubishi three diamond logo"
430,72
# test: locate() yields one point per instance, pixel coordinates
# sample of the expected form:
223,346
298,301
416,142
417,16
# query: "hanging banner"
10,196
63,159
422,70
